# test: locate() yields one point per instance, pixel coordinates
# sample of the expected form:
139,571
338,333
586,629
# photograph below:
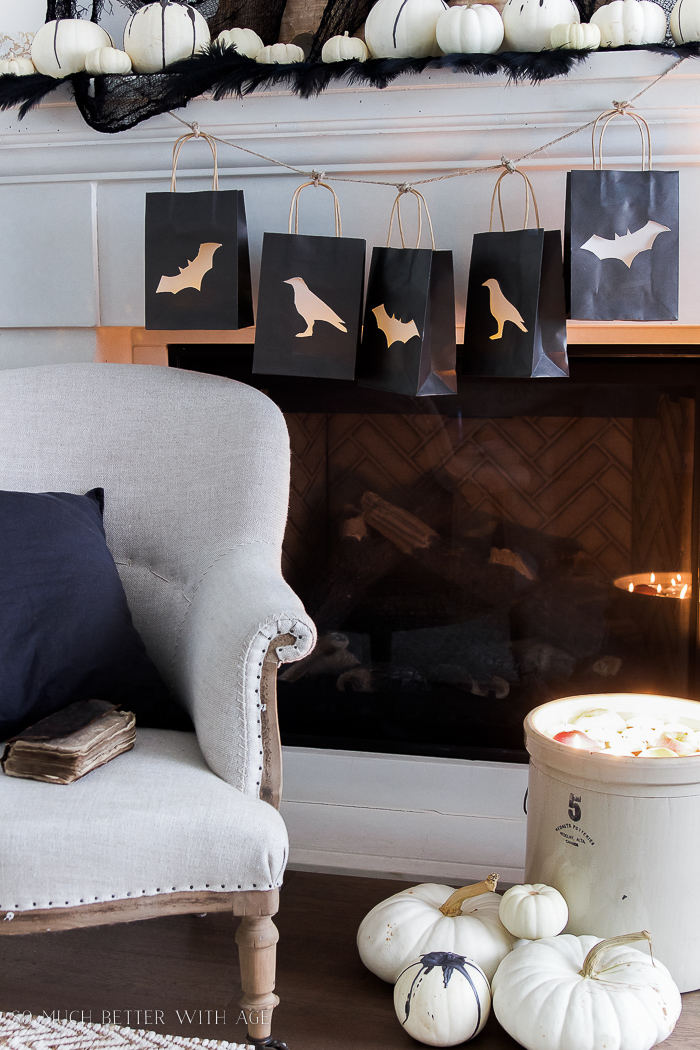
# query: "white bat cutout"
627,247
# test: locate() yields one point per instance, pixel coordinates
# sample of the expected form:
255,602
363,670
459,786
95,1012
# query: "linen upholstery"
195,470
154,820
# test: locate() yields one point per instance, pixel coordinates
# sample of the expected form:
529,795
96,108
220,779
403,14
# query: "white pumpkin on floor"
244,41
581,993
432,917
60,47
470,30
164,32
403,28
529,23
442,999
630,22
685,21
533,911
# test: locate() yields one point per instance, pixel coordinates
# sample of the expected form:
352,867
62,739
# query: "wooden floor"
186,967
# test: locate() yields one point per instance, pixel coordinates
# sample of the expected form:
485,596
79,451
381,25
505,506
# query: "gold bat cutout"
395,331
190,276
627,247
502,309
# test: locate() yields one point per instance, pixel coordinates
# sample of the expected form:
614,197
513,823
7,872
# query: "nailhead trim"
130,893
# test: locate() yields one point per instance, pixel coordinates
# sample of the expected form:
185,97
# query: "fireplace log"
362,559
403,529
461,564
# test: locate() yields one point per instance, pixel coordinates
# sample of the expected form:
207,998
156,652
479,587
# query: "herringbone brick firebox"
460,554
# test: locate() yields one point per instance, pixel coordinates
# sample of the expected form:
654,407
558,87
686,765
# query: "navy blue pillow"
66,632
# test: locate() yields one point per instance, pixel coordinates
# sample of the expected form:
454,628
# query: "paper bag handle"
179,143
396,211
621,110
529,191
294,209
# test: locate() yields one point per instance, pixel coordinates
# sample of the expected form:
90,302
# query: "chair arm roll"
239,606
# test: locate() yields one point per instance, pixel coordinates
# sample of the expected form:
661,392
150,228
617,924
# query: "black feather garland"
26,91
116,103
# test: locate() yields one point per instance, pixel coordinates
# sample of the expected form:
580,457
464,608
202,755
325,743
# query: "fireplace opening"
469,557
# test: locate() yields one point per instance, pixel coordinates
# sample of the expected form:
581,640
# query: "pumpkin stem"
453,904
591,960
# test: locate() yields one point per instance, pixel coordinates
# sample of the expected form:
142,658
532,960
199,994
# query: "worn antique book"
65,746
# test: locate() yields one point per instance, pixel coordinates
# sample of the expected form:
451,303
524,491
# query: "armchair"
195,470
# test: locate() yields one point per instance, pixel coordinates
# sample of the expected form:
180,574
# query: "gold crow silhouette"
501,309
312,308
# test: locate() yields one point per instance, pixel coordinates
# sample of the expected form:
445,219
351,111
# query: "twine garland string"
508,163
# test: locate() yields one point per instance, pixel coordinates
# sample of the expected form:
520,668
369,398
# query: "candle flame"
658,588
652,578
631,588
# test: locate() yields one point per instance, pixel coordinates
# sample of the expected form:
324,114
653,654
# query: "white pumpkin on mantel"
581,993
442,999
344,48
280,54
244,41
411,923
529,23
17,66
630,22
164,32
403,28
107,60
60,47
685,21
474,30
583,37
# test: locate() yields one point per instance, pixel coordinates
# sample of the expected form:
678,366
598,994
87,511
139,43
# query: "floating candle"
660,585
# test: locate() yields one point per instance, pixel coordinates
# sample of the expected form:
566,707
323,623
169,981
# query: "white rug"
21,1032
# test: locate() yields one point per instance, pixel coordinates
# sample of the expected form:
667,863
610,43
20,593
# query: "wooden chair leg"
257,938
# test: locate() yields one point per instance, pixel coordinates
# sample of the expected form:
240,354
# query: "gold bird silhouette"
501,309
312,308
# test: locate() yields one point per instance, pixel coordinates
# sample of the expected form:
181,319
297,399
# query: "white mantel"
71,199
71,229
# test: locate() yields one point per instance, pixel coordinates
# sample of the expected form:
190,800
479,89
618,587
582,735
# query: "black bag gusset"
408,341
516,314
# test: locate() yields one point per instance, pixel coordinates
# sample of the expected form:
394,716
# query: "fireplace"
468,557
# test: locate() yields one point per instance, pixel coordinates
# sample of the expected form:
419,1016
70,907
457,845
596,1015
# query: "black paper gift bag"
197,263
309,300
516,314
622,239
408,341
